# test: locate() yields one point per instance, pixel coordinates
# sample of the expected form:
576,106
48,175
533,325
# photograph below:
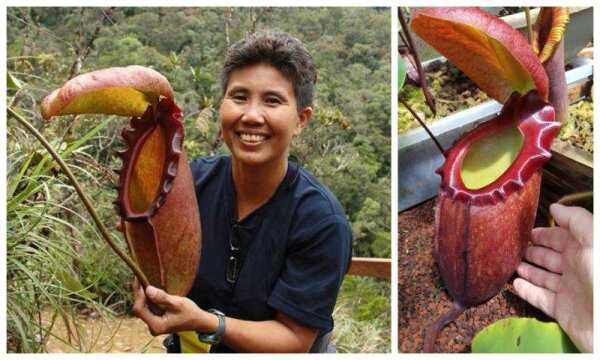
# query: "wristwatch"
215,337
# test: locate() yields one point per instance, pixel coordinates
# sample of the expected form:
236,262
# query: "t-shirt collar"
253,219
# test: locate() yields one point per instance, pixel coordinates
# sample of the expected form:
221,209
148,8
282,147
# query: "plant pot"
569,171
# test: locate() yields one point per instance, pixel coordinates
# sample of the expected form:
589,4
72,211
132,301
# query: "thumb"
577,220
157,296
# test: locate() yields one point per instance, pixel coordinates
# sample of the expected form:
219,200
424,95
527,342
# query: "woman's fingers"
544,257
141,310
139,303
542,299
135,285
555,238
160,297
577,220
539,277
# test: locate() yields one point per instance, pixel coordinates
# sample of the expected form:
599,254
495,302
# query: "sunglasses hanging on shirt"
235,245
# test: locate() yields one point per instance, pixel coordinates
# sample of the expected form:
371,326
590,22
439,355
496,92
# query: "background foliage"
55,257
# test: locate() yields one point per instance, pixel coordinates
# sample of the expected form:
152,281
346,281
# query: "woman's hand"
280,335
561,282
180,313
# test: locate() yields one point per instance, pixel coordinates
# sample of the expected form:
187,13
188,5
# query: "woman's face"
259,115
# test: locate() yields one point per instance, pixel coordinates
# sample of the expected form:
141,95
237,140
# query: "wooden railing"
373,267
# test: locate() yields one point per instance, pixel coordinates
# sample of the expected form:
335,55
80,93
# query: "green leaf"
196,73
12,83
16,180
72,284
522,335
401,72
83,139
173,58
44,166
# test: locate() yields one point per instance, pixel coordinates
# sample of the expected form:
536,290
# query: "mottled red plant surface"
422,296
156,200
490,181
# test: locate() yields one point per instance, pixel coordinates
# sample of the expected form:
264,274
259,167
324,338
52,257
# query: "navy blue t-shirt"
296,248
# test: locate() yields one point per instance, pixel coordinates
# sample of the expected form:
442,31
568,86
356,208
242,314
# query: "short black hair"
282,51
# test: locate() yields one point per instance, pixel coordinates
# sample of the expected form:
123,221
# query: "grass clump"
362,316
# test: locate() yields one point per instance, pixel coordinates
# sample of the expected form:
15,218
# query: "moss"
450,88
579,128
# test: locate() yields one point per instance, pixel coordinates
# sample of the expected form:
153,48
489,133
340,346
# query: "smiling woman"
260,116
276,243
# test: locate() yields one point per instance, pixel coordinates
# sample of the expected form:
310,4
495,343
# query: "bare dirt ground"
102,335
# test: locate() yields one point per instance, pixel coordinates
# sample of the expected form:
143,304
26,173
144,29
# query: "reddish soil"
422,297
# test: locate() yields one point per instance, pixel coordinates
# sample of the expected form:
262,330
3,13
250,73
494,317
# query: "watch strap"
214,338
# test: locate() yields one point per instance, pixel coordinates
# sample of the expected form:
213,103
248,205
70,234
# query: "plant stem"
413,51
529,26
401,37
422,123
88,205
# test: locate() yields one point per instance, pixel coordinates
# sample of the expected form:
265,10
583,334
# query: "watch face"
216,312
211,339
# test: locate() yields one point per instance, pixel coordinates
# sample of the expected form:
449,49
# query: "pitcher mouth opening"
499,156
153,147
488,158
